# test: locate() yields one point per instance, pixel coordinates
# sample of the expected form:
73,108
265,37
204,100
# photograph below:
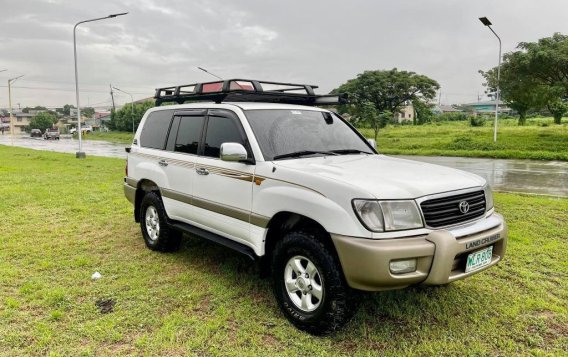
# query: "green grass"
64,219
532,141
119,137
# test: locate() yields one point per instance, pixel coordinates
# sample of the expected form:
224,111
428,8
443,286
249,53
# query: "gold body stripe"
233,212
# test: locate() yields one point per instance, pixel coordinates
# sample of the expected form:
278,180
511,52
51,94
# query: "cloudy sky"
161,43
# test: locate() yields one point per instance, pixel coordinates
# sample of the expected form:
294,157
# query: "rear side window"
221,130
188,134
155,129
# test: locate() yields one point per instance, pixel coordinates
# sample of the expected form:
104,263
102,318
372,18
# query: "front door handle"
202,171
163,163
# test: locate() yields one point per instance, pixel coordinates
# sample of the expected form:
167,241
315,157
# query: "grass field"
119,137
64,219
532,141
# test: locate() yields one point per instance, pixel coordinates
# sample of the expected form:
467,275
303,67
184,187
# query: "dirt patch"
105,306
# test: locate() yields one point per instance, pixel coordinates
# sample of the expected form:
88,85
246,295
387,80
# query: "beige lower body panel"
440,257
129,192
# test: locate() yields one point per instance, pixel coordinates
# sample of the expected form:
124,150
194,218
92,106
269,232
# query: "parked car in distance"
85,129
36,133
51,133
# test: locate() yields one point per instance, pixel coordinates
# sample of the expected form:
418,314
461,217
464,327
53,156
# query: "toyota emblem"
464,207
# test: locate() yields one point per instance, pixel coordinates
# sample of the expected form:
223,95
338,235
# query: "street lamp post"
485,21
10,81
80,154
131,106
4,70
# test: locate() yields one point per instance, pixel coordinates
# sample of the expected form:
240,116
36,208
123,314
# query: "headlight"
370,213
381,216
488,197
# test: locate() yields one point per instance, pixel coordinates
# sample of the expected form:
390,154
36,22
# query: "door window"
189,134
155,129
221,130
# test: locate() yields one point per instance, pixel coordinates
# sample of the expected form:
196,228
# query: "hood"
385,177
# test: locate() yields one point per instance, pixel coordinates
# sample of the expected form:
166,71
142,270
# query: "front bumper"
440,256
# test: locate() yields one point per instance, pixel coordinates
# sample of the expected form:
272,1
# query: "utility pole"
2,70
440,98
112,97
10,81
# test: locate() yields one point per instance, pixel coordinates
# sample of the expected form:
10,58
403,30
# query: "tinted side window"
220,130
156,129
170,145
189,133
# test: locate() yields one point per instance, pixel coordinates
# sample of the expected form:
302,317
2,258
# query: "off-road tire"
168,239
339,301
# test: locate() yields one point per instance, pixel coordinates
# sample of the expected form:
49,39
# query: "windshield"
281,133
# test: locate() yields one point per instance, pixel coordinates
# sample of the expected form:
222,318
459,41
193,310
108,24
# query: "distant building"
4,124
487,107
406,113
99,115
21,121
98,121
104,121
439,109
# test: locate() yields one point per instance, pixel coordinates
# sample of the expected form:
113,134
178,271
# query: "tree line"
534,77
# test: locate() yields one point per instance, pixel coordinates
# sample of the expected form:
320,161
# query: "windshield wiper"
303,153
349,151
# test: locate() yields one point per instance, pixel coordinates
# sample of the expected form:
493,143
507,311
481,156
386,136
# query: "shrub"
451,117
476,121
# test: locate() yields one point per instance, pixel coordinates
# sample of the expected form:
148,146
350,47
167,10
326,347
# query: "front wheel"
309,285
157,233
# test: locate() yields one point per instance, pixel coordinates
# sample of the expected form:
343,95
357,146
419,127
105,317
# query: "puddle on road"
531,176
68,145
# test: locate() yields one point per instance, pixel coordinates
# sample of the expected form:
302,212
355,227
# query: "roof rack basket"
246,90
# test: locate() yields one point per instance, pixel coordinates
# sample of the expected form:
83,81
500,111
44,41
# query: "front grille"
445,211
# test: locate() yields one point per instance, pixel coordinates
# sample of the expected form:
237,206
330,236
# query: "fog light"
403,266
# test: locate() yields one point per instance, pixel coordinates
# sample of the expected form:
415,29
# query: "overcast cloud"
160,43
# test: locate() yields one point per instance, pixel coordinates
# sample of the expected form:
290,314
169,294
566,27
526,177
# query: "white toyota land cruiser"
299,189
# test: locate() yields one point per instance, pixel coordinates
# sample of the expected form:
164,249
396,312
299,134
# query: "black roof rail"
247,90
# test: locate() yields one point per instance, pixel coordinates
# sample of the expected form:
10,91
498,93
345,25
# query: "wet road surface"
68,145
530,176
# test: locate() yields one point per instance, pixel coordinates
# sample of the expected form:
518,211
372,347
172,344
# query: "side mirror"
232,152
373,143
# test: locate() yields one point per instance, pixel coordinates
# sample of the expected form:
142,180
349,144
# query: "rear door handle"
163,163
202,171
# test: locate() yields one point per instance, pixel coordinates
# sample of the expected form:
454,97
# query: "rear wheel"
158,235
309,285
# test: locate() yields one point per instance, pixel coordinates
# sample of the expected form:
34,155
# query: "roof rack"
246,90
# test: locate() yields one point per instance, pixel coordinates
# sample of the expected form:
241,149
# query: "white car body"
238,200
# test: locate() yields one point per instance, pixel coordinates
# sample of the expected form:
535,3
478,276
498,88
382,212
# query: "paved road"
531,176
68,145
